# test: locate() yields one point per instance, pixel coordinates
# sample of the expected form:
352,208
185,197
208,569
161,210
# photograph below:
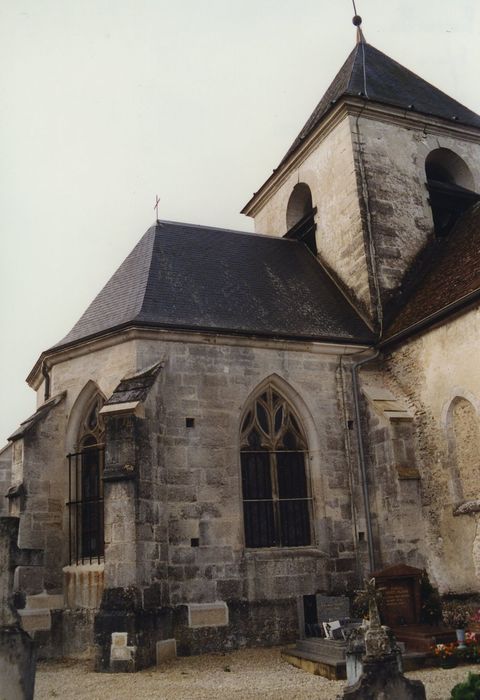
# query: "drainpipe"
361,454
46,376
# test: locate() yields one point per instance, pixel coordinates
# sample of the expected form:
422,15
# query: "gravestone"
401,606
332,607
401,599
381,675
314,610
322,649
17,652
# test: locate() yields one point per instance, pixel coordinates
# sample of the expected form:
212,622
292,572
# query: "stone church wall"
5,477
439,372
176,537
211,385
329,171
394,161
393,470
173,500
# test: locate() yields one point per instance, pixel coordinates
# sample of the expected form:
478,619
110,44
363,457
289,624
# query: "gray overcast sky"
105,103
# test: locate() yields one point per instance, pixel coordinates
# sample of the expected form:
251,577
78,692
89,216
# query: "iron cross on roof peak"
155,206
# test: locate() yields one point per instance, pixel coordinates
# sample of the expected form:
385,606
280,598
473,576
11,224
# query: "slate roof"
135,388
199,278
38,416
387,82
446,275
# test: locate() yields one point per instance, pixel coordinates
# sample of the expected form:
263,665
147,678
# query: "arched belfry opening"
451,187
301,216
275,481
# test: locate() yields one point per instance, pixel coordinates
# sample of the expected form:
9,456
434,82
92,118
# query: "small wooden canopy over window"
275,485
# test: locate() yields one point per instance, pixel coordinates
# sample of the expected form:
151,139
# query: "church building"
239,422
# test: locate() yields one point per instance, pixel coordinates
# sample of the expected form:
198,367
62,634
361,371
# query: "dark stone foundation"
260,623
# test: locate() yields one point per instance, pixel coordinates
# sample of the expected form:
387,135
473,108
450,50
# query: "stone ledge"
44,601
282,552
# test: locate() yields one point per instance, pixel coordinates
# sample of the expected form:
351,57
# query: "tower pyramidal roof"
372,75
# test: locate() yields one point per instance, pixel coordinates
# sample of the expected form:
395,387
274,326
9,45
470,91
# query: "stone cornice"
357,107
133,333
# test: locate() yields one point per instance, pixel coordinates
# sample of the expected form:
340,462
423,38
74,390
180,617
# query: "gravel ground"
249,674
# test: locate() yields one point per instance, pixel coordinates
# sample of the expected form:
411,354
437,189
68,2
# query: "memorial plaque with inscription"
401,602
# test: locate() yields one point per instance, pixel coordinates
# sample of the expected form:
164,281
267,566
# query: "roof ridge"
252,234
148,274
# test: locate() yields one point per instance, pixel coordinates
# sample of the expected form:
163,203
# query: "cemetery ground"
248,674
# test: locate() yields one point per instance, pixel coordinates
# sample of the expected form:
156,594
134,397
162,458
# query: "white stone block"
122,653
44,601
208,614
166,650
119,639
35,620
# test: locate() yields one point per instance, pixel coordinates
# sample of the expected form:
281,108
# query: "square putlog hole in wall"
189,422
195,542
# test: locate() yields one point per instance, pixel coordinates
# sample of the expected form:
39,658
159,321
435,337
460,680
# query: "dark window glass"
276,501
278,419
85,467
262,417
256,476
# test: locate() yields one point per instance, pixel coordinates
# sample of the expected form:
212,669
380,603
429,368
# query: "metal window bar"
277,511
85,505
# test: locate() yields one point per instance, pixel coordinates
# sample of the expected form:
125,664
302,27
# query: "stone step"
328,668
322,649
44,601
35,620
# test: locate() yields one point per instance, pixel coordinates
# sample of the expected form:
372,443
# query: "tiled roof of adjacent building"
190,277
446,276
376,77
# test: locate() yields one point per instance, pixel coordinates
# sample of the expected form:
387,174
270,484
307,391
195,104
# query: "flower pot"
449,662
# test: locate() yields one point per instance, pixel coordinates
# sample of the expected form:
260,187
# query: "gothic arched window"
86,487
275,484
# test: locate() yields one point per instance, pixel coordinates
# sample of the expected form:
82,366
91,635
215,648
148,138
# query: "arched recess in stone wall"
463,436
460,531
307,430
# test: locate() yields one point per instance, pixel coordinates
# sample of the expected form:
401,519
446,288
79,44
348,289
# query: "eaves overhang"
137,331
357,107
457,307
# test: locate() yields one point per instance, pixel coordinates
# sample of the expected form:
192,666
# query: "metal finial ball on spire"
357,20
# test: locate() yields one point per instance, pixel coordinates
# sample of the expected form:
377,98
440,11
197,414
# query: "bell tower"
386,162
